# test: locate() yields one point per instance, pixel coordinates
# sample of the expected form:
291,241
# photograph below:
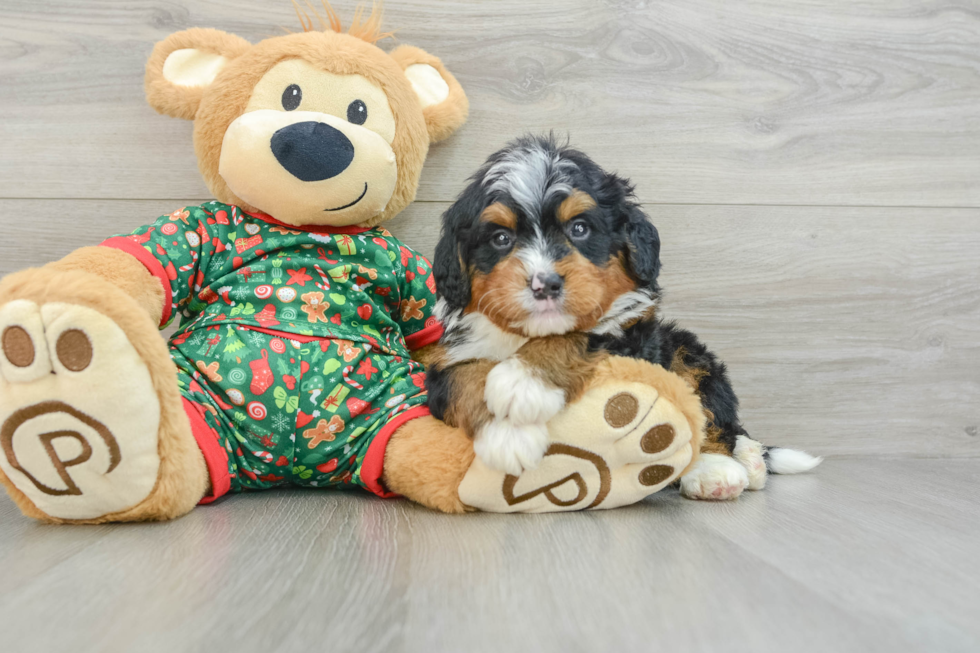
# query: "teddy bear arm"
120,269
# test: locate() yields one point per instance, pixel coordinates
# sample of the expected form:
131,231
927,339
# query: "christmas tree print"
233,346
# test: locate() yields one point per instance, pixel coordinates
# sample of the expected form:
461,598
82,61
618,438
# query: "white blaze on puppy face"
548,316
531,176
313,147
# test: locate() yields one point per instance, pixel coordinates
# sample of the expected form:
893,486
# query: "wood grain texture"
846,330
863,555
850,330
700,101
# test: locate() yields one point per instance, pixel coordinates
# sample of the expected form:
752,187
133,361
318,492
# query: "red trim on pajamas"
425,337
215,456
152,265
313,229
285,335
372,466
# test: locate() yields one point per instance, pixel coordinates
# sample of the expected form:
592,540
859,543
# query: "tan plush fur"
121,270
426,461
182,479
444,118
215,107
174,101
337,53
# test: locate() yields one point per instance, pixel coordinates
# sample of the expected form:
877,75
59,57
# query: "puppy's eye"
291,97
502,239
578,230
356,112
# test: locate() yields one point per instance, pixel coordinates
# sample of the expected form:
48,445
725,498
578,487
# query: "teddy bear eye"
291,97
357,112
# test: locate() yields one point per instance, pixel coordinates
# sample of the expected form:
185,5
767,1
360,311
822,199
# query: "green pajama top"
293,349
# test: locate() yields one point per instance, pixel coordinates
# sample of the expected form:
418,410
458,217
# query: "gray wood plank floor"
867,554
813,169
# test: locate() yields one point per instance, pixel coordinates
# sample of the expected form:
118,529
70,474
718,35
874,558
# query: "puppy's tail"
789,461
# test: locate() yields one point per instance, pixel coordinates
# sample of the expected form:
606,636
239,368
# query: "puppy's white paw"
514,393
510,447
749,453
715,477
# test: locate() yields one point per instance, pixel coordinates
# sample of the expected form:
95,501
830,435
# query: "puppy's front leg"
534,384
456,395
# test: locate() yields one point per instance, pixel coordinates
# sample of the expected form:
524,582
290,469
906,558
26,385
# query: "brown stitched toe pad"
621,410
74,350
17,346
658,438
655,474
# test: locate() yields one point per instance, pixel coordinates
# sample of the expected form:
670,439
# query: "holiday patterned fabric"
295,342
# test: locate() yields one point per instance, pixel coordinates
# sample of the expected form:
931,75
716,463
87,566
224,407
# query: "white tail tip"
791,461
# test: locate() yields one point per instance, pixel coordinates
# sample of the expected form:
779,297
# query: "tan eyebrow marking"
575,204
499,214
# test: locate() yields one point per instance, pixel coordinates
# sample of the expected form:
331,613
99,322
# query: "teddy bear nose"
312,151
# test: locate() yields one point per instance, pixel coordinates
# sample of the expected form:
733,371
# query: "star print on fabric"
365,368
298,277
324,431
314,306
411,309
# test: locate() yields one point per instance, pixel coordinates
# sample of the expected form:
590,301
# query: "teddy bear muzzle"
308,167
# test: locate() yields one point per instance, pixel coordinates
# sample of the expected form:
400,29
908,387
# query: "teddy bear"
303,323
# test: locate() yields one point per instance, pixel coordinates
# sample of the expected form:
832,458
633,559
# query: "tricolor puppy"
545,265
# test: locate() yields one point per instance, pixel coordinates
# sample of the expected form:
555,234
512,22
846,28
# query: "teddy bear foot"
621,442
84,436
78,413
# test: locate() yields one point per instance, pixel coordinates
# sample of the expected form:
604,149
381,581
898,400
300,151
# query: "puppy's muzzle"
546,285
312,151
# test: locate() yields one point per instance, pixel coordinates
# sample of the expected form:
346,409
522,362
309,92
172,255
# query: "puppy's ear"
643,246
452,281
184,64
615,195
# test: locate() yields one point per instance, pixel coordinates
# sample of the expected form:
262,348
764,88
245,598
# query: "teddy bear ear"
184,64
444,104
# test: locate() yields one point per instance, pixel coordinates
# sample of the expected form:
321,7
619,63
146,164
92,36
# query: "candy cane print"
189,266
349,380
326,281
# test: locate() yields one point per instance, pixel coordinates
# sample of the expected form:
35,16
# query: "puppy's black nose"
546,286
312,151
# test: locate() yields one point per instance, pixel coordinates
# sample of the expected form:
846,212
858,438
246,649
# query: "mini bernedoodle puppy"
546,264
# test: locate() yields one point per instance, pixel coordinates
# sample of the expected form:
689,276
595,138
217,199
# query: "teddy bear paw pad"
614,446
79,416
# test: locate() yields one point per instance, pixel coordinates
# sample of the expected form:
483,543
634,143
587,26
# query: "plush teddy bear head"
312,128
